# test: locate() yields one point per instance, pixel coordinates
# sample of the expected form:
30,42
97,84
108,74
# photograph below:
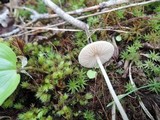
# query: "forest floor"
56,87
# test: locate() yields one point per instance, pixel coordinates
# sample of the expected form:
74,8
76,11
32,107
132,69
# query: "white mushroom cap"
87,57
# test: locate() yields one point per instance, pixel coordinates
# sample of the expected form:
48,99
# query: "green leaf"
9,79
118,38
88,96
91,74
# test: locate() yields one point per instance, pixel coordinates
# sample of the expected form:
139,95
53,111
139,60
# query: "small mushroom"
98,53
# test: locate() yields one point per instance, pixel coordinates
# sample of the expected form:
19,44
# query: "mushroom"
100,52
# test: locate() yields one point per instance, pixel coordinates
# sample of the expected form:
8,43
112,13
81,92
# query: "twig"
66,16
53,29
107,11
37,16
59,29
149,46
100,6
119,8
81,10
45,16
44,29
11,33
34,69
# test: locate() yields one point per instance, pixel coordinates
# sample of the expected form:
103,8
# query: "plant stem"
35,69
113,112
66,16
115,98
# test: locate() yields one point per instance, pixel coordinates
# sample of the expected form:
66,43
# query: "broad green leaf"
9,79
91,74
7,53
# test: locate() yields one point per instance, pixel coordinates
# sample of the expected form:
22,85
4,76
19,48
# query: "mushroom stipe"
97,53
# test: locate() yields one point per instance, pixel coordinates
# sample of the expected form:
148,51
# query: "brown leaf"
18,44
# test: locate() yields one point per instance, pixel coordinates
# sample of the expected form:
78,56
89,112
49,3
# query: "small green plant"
120,71
66,112
132,52
24,13
82,80
154,56
34,114
129,87
80,37
40,9
152,37
79,83
77,5
154,86
89,115
73,86
84,100
92,21
120,14
138,11
154,23
150,65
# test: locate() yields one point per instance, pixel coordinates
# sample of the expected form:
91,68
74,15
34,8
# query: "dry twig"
66,16
119,8
69,19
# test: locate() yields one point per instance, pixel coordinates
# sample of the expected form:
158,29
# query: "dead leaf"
24,61
19,45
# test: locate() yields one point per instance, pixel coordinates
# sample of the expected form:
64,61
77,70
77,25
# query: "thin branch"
66,16
53,29
119,8
107,11
81,10
100,6
46,16
11,33
149,46
44,29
